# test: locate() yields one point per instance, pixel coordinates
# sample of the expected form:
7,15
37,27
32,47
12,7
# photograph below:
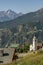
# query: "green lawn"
31,59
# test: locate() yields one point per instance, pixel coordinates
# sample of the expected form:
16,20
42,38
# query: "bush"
21,50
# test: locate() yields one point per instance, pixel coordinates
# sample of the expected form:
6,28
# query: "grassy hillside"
31,59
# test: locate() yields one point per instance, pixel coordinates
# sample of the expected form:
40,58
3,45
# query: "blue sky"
23,6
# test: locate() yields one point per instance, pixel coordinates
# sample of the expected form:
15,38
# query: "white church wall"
34,45
31,47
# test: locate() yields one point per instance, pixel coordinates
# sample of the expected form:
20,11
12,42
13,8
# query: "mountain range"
29,24
22,18
8,15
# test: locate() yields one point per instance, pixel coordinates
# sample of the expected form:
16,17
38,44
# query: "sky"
24,6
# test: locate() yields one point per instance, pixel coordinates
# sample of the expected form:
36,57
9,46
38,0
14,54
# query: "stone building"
6,55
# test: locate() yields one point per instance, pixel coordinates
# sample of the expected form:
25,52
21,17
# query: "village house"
6,55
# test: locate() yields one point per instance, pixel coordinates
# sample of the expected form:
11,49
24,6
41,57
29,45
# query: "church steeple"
34,43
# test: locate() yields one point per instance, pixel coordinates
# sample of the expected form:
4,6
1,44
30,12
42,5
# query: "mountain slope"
30,59
8,15
32,24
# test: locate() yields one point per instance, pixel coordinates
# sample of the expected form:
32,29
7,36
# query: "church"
35,45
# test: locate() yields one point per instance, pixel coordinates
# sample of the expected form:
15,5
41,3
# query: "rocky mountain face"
8,15
23,28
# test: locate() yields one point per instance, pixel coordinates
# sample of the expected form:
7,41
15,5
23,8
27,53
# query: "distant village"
9,54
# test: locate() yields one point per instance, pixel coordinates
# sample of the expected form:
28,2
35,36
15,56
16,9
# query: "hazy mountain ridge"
8,15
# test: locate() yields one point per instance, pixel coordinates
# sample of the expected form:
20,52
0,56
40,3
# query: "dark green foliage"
24,48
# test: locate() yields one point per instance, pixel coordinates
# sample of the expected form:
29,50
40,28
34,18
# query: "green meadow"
30,59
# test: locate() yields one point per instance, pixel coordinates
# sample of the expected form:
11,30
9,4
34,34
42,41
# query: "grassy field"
30,59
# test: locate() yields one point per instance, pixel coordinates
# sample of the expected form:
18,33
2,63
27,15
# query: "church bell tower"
34,43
